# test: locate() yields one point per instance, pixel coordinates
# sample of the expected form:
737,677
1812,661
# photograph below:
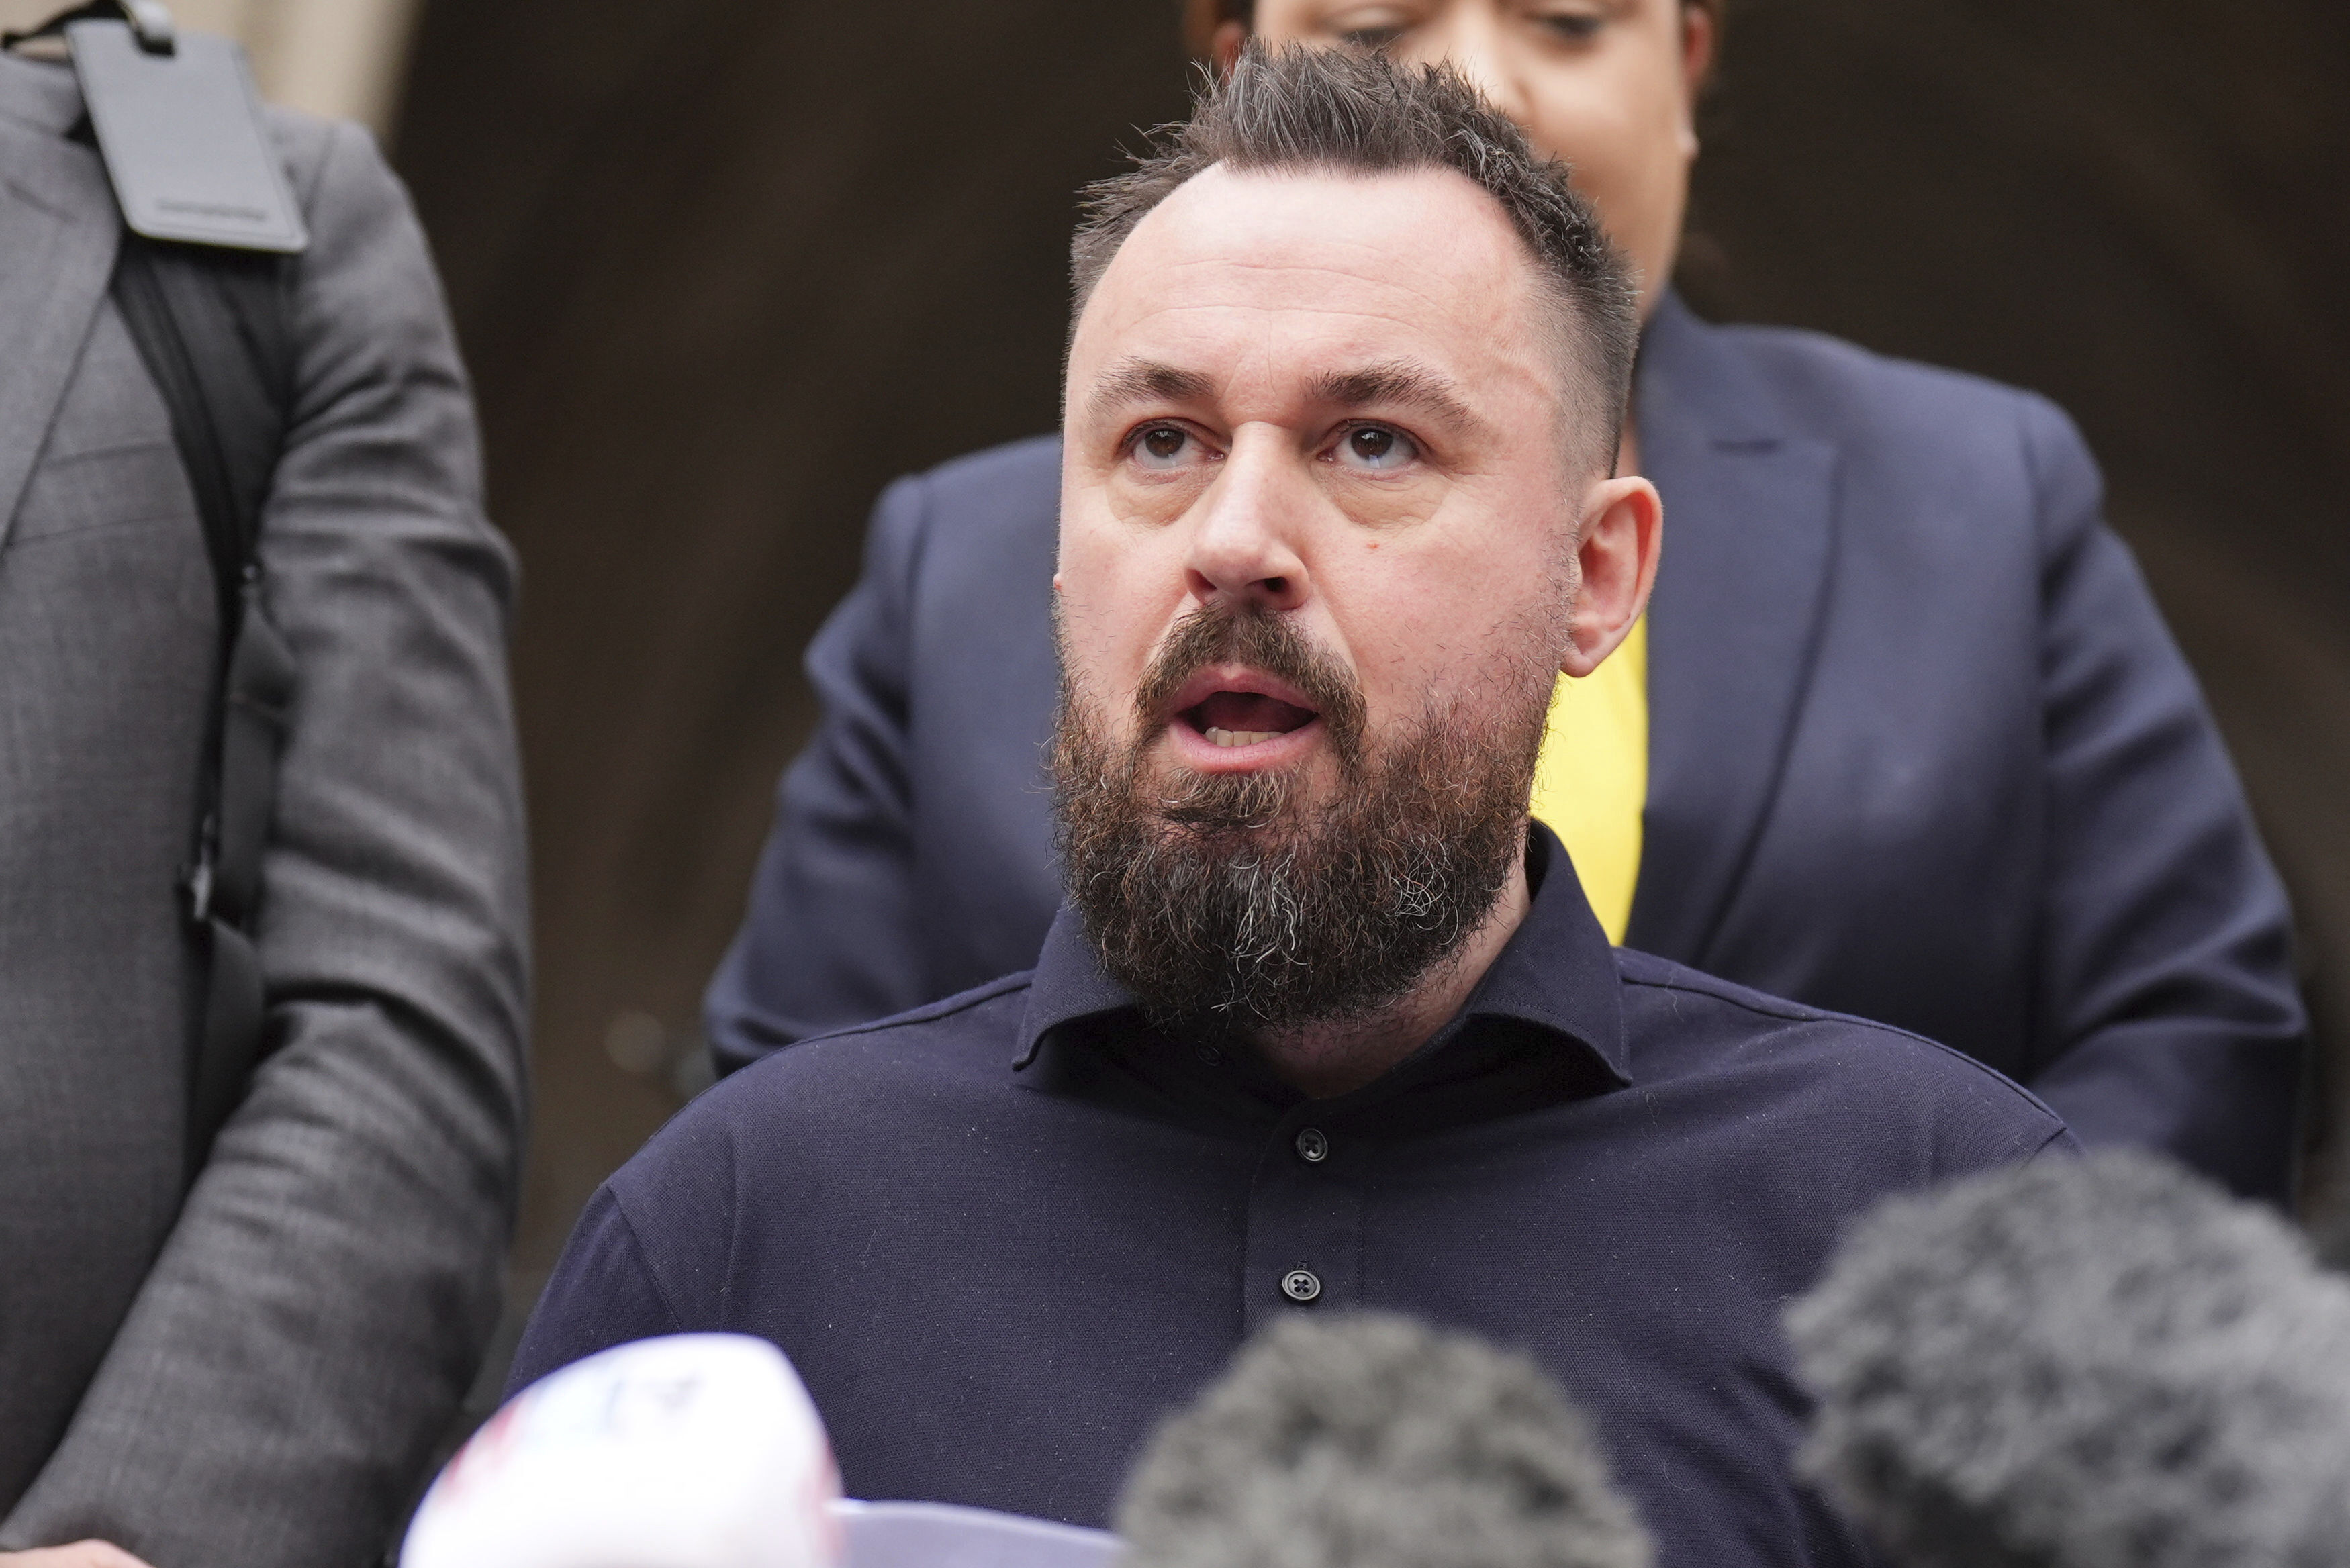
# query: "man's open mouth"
1238,718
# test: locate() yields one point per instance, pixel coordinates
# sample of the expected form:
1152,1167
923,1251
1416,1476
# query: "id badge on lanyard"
180,127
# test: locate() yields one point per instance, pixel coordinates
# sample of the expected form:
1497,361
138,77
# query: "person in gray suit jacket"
1917,744
250,1369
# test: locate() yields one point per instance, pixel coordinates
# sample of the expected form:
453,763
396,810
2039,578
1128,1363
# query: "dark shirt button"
1300,1285
1312,1146
1211,1056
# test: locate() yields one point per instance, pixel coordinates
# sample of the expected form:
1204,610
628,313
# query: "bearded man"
1902,735
1327,1022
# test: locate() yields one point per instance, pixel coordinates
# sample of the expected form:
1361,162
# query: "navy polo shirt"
1003,1235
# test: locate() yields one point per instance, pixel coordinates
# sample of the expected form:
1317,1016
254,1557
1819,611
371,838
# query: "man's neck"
1328,1059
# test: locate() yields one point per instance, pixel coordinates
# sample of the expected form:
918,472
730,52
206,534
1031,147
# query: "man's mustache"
1262,640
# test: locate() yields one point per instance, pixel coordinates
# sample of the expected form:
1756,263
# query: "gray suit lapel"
59,229
1740,599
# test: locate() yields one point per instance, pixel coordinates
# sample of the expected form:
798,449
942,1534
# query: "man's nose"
1471,40
1243,549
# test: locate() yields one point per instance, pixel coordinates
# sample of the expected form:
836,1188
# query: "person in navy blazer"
1920,746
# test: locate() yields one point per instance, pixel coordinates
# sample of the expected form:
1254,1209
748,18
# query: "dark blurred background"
723,268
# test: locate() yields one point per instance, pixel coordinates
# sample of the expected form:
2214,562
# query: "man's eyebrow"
1401,386
1146,382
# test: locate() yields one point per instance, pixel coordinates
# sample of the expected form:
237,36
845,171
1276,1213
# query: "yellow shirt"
1591,783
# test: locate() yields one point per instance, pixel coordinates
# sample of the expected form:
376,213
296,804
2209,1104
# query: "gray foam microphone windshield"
2103,1363
1370,1441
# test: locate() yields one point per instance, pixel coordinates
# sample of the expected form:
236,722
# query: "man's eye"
1162,446
1375,449
1370,28
1571,26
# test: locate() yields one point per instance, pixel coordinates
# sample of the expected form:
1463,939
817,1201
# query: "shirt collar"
1557,972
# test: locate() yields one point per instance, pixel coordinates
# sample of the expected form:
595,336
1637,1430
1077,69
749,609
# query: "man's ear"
1701,37
1701,47
1623,529
1224,49
1211,36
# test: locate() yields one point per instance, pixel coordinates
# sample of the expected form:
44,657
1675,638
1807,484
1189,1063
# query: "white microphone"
696,1450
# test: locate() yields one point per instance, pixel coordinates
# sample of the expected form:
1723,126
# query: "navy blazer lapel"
59,229
1749,512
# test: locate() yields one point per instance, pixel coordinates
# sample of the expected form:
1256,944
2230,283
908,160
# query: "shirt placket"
1305,1219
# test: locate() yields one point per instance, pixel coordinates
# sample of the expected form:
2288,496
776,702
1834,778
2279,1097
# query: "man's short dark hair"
1200,16
1340,111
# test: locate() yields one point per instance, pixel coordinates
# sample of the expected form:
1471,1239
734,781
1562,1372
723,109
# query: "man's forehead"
1224,213
1345,269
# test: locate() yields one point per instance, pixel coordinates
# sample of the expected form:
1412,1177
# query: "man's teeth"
1240,737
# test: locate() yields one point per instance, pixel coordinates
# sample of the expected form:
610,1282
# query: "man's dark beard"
1226,904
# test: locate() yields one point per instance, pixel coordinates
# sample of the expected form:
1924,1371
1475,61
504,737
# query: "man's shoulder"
973,535
308,145
1833,367
974,527
1686,1022
945,1049
1828,388
38,95
1016,488
984,1013
46,97
818,1110
1031,465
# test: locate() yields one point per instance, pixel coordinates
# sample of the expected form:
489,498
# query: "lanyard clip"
150,22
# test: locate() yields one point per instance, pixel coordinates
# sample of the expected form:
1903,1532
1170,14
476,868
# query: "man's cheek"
1393,636
1088,642
1112,664
1152,503
1385,510
1432,656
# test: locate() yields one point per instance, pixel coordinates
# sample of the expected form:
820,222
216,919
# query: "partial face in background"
1332,521
1607,86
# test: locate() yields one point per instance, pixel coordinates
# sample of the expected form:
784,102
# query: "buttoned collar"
1556,974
